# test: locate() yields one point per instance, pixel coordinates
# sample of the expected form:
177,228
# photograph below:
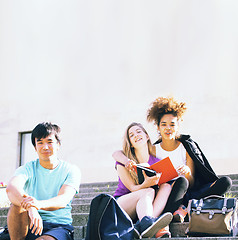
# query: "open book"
164,166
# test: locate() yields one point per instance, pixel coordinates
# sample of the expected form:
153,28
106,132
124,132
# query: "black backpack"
4,234
107,221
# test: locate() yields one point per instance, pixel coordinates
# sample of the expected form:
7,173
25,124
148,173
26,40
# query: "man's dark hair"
43,130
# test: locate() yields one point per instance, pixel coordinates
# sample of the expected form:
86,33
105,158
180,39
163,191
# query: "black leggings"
178,191
219,187
180,194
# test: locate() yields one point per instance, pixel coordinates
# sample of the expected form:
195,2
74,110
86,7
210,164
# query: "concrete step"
96,190
88,192
80,222
91,195
80,219
178,229
86,200
175,229
85,196
3,212
81,207
100,184
3,221
235,181
232,176
234,188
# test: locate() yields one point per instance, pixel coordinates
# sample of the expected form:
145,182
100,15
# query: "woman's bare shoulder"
153,150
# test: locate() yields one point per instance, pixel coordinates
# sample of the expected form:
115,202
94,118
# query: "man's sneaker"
149,226
180,214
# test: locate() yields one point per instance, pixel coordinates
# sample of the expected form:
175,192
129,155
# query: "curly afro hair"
165,105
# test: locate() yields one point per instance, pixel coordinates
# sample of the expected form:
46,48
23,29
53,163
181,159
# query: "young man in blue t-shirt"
41,191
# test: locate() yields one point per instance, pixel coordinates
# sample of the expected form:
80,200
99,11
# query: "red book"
167,169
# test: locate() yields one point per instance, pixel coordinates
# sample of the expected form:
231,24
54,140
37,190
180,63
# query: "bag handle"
214,196
224,208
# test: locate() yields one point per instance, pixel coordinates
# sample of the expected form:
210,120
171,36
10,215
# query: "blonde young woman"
141,201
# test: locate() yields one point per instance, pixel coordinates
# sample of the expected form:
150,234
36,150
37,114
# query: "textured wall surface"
93,67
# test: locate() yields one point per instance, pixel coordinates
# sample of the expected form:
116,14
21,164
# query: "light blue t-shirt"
43,184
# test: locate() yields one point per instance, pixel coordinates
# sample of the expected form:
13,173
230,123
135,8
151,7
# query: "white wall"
93,67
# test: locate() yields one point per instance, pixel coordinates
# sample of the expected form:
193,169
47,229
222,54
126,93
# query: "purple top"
121,188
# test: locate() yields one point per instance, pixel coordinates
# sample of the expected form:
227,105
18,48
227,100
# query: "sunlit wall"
93,67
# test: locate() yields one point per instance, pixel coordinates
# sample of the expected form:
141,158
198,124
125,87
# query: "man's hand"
36,224
29,202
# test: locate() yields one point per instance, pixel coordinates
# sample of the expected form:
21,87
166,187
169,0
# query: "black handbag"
212,216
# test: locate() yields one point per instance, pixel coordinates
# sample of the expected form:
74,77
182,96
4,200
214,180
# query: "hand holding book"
164,166
151,180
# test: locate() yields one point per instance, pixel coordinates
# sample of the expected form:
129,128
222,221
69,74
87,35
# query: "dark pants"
180,186
180,194
219,187
58,231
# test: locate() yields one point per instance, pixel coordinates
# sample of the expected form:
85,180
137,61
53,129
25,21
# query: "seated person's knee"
16,209
149,191
183,182
226,182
